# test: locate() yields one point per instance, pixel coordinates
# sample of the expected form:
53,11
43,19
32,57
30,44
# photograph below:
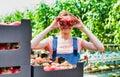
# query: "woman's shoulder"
50,38
78,38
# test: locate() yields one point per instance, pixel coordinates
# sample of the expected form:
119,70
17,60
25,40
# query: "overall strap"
75,47
54,48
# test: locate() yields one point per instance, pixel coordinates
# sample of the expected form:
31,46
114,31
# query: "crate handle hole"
10,70
9,46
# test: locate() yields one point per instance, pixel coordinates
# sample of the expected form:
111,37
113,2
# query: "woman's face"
65,29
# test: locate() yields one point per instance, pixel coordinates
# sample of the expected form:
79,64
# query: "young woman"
65,45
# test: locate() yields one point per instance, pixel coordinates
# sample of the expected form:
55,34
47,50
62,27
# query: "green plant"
100,16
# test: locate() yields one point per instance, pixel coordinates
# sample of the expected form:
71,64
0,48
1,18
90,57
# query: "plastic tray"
37,71
20,34
19,56
16,33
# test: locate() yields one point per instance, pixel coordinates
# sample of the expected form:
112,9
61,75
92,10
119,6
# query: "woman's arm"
95,44
36,42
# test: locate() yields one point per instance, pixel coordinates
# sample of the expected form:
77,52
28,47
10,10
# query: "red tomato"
52,68
16,70
46,68
16,23
0,71
85,57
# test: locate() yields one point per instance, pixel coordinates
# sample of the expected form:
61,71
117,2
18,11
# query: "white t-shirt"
63,46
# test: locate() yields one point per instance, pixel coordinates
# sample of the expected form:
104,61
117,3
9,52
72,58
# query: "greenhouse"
21,56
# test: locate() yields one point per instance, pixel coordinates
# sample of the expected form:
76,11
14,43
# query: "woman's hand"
54,24
79,24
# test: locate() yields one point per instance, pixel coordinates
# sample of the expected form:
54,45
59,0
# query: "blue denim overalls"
72,58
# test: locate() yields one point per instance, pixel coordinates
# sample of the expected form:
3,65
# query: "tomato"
85,57
16,23
0,71
67,21
6,71
16,70
46,68
52,68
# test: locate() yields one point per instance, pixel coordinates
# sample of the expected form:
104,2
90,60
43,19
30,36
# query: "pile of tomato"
15,23
49,65
9,70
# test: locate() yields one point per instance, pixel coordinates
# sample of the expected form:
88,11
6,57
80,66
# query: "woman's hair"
64,13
